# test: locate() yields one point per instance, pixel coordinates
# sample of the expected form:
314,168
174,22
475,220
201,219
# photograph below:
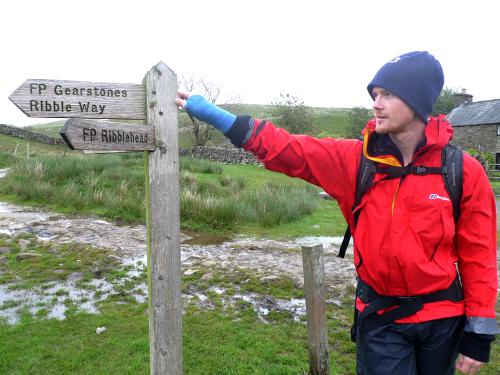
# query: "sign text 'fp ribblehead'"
84,134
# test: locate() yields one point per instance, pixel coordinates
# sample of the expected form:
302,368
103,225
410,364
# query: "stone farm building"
476,124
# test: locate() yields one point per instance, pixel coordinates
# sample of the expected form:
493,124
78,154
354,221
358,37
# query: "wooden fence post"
163,227
314,286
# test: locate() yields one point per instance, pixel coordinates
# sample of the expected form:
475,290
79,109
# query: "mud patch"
264,259
203,239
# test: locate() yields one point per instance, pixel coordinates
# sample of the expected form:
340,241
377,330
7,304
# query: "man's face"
391,113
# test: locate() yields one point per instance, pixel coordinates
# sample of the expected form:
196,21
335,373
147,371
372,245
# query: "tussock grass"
278,204
102,185
6,159
113,186
200,166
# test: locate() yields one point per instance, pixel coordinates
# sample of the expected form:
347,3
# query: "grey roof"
476,113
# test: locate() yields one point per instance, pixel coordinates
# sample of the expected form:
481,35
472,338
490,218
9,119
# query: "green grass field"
222,340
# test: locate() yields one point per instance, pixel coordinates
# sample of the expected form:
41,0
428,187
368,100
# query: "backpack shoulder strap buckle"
418,169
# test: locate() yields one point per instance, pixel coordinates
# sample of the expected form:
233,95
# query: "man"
406,241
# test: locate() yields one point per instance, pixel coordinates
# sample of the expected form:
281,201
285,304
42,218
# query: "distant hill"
49,128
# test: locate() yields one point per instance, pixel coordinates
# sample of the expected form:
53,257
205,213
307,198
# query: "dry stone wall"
229,155
29,135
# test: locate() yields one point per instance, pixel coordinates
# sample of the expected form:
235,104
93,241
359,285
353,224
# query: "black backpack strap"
452,162
451,170
396,172
345,242
366,171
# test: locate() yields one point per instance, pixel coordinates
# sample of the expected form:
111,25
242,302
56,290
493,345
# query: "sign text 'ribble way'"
49,98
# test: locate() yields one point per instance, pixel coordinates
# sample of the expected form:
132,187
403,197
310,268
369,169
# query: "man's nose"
377,103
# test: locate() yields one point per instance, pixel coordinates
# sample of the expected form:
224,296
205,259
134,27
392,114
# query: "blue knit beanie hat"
415,77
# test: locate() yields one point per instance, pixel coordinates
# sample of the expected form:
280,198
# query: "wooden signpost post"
153,101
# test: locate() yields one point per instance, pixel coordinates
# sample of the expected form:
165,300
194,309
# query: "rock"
22,232
97,272
3,259
298,283
324,195
189,272
55,249
23,244
207,276
209,263
100,330
4,250
75,276
60,231
23,256
114,258
269,278
333,302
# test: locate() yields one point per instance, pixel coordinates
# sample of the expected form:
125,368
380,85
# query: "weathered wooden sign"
84,134
88,100
51,98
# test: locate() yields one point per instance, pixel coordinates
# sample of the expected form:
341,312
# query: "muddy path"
129,243
203,254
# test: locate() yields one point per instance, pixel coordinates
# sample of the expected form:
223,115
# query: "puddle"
54,298
199,253
295,307
262,305
203,239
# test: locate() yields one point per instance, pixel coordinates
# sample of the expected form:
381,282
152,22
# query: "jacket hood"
438,133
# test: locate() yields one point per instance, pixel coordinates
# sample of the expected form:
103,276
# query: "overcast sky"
324,52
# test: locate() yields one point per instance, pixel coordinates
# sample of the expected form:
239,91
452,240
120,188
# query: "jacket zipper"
394,198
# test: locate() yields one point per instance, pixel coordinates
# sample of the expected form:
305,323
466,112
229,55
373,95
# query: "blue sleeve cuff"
208,112
480,325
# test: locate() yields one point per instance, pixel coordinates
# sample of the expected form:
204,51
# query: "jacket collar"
380,147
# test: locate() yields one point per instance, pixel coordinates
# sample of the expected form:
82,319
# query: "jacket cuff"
476,346
240,131
478,324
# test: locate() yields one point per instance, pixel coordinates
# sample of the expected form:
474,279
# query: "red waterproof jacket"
406,242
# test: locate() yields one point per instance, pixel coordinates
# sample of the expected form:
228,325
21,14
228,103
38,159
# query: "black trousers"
409,349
